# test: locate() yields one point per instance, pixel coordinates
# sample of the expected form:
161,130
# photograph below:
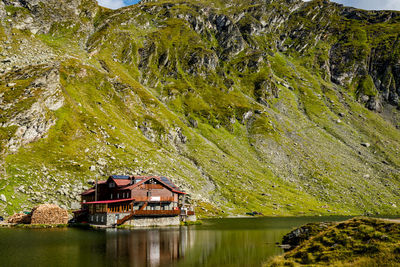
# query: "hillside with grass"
281,107
356,242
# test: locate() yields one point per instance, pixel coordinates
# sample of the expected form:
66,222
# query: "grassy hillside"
227,101
356,242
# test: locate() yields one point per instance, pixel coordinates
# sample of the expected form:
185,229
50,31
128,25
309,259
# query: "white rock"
3,198
75,205
101,162
366,144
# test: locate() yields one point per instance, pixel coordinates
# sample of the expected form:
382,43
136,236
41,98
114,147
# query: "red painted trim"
108,201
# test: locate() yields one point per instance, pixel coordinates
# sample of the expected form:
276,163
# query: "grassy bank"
356,242
33,226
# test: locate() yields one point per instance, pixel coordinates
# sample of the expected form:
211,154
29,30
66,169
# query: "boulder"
303,233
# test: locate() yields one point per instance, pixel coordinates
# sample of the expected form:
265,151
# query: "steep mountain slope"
283,107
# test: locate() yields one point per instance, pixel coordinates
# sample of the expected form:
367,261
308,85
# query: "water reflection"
147,247
220,242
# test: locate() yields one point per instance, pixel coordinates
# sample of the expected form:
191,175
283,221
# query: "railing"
154,199
123,220
153,186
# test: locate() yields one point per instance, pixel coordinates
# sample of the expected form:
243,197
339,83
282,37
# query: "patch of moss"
367,87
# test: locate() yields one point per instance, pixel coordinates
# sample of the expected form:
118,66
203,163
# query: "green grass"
274,134
35,226
356,242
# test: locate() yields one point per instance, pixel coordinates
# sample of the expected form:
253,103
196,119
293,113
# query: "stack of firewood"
20,218
42,214
49,214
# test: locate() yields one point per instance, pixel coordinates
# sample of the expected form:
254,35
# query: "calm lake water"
218,242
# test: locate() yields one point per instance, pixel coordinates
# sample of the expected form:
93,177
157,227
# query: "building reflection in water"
147,247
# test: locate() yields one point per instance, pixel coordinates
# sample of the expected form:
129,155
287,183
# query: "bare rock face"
49,214
35,121
44,13
2,10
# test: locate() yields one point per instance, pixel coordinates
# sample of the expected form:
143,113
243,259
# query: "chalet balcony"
154,199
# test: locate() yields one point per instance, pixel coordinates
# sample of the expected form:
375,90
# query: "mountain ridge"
283,107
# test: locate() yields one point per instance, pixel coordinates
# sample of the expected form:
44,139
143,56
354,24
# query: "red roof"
88,192
123,184
120,182
109,201
158,179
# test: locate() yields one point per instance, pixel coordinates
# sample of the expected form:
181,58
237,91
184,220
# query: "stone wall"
98,219
106,219
160,221
191,218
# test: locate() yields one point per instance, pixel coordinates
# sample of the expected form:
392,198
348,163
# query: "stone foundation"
158,221
191,218
106,219
110,219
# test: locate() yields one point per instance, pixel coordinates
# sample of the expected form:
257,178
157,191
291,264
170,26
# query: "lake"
218,242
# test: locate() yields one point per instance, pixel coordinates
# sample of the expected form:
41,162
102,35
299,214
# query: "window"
117,195
111,185
123,195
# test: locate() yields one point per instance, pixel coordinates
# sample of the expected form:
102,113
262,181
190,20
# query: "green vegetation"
367,87
189,223
356,242
34,226
241,117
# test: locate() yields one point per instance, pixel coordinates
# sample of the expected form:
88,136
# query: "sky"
372,4
364,4
114,4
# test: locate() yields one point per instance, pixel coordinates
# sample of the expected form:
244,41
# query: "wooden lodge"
131,199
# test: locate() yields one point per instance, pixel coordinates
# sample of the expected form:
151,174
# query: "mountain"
278,106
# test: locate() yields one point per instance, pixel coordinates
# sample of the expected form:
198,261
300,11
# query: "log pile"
20,218
42,214
49,214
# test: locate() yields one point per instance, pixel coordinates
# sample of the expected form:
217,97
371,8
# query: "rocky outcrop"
42,15
303,233
34,121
